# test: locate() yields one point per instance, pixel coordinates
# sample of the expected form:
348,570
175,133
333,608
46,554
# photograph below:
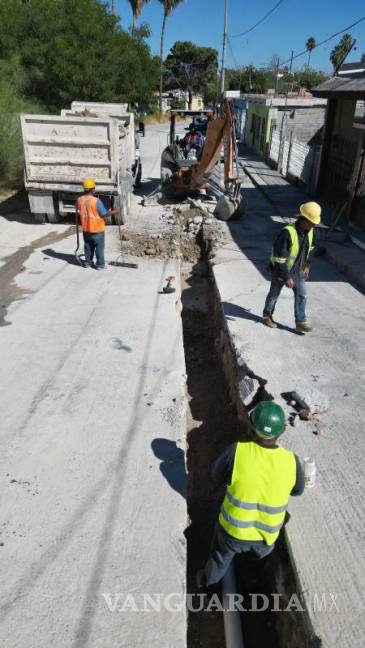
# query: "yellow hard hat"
89,183
311,211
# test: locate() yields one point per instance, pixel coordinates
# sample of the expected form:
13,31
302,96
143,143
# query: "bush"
11,153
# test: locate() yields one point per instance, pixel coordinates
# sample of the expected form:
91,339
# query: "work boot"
268,321
304,326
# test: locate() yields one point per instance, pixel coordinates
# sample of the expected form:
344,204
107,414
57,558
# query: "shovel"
77,255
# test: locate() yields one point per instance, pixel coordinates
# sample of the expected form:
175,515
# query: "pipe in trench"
232,617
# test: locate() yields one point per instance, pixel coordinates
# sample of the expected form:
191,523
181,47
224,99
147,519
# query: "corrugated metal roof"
357,66
341,87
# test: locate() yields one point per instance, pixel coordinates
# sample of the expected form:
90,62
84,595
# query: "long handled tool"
121,264
77,254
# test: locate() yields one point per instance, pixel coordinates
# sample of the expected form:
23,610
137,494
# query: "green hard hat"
268,420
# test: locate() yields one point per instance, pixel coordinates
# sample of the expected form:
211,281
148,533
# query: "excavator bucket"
227,207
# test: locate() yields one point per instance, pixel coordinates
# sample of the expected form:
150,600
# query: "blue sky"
201,21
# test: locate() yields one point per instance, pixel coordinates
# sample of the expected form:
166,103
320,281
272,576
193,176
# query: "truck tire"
53,218
40,218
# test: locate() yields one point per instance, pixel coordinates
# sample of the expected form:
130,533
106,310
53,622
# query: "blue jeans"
94,244
223,550
300,296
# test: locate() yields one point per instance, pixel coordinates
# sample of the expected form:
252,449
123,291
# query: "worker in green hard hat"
260,476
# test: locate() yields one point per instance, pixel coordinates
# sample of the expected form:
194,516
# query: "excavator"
185,173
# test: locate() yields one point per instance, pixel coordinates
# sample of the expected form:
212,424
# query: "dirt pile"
180,235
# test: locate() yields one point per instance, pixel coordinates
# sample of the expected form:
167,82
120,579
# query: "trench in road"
212,424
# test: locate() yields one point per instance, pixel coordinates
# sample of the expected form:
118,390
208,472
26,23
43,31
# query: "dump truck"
126,119
61,151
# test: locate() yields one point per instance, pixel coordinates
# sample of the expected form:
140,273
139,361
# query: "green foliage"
75,49
54,52
341,50
309,78
310,46
11,104
248,79
192,68
169,5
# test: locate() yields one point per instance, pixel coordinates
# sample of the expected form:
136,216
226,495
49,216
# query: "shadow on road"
172,464
233,310
16,209
62,256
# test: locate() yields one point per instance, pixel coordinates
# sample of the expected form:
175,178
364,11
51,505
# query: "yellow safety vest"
294,247
257,498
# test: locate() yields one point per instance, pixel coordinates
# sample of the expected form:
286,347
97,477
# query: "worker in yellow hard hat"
92,214
289,264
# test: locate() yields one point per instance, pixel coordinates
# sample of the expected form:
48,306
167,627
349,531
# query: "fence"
295,158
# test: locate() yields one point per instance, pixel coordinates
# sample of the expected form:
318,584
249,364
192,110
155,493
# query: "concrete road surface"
92,472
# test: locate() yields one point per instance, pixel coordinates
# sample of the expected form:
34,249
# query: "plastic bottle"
309,472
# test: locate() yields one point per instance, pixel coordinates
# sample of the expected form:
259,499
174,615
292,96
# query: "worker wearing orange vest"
260,476
92,214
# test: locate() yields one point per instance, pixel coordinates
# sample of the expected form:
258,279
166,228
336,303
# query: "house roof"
350,87
347,69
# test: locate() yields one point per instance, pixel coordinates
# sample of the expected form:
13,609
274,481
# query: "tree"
308,78
249,79
310,46
63,60
168,8
136,6
341,51
193,68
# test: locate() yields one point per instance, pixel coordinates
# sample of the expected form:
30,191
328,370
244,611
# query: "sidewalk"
325,534
285,198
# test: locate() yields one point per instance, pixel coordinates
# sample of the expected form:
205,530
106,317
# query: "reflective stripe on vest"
91,220
256,500
294,247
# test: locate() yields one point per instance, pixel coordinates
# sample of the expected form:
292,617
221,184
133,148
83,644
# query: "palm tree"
310,45
341,51
136,6
168,8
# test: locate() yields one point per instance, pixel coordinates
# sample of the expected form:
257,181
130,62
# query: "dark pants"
223,550
300,296
94,244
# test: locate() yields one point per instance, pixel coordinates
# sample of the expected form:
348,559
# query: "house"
180,99
303,116
342,168
352,70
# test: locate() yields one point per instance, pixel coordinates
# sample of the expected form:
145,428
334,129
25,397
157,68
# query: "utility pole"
113,7
224,45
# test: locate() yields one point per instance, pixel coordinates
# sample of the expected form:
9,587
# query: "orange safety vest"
91,220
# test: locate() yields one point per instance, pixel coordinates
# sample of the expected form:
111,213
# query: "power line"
324,41
259,22
232,53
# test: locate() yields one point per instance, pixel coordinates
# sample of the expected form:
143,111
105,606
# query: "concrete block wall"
305,122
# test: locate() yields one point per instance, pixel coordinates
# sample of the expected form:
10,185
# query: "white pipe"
232,617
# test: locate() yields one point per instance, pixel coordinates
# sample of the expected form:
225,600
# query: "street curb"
348,270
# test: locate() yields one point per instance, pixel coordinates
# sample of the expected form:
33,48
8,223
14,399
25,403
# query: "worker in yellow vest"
260,476
92,214
289,265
